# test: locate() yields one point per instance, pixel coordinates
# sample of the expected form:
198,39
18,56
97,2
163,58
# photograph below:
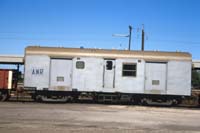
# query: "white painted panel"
61,72
155,80
179,78
129,84
91,77
36,71
10,76
109,79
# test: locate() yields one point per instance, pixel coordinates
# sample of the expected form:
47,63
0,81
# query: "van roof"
60,52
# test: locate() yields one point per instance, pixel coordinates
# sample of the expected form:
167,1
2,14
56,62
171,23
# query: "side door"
61,74
109,74
155,77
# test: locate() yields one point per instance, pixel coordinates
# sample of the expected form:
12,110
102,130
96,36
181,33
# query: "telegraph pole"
142,39
130,30
129,36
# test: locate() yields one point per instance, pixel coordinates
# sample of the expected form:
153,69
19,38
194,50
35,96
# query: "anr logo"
37,71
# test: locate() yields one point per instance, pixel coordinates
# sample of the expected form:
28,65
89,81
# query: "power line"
176,41
179,42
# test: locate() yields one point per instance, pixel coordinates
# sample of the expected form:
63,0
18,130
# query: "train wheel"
135,101
174,102
3,96
144,102
38,98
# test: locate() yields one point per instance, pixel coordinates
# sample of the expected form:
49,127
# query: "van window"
109,65
80,65
129,69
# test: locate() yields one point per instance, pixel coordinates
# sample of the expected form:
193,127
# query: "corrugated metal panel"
76,52
4,79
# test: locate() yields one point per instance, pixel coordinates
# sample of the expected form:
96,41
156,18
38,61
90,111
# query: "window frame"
108,66
129,63
80,67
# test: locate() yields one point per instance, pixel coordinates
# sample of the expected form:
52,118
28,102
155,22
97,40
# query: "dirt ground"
28,117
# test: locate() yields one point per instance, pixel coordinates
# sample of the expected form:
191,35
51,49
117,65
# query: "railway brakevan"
139,76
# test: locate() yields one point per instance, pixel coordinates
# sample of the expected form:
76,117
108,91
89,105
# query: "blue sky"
170,25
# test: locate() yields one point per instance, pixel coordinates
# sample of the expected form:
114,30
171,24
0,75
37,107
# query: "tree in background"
195,79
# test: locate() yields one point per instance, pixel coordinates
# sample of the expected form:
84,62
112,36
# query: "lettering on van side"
37,71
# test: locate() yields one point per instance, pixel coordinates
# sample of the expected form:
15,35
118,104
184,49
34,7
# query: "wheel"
174,102
135,101
3,96
144,102
38,98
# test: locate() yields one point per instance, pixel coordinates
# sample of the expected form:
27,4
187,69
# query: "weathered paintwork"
6,76
33,77
170,77
60,74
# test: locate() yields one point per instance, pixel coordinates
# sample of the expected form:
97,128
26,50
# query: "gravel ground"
31,117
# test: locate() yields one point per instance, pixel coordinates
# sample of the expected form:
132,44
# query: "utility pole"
130,31
142,39
129,36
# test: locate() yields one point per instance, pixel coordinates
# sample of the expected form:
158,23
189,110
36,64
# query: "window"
109,65
129,69
80,65
60,79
